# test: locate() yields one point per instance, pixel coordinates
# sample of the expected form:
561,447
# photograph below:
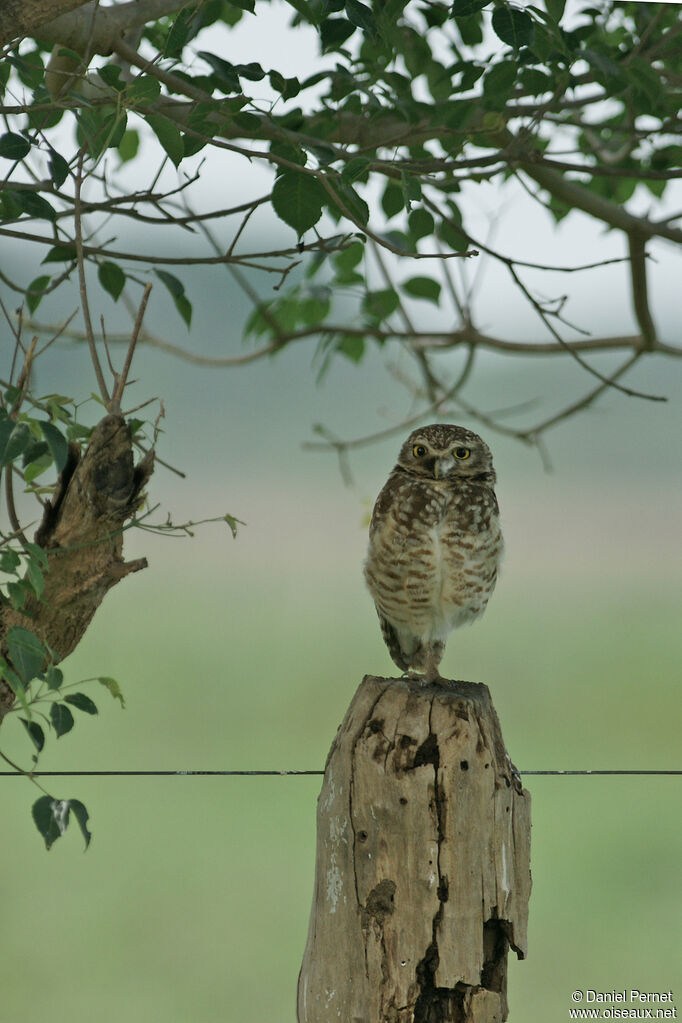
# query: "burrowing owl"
434,544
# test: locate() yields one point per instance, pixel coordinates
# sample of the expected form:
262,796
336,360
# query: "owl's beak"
442,466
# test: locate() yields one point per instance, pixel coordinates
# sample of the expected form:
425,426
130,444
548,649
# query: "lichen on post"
423,861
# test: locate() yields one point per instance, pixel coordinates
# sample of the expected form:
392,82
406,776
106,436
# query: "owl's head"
444,451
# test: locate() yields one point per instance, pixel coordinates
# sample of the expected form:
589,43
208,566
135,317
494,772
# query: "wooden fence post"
422,877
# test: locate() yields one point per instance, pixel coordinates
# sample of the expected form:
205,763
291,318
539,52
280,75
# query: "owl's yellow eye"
419,451
461,453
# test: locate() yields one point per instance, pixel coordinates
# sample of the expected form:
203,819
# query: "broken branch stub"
423,862
81,534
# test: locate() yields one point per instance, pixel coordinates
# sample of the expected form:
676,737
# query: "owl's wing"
392,642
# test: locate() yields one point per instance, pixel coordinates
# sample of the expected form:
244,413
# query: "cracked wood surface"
423,861
81,534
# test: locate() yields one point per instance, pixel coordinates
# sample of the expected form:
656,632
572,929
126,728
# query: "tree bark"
423,861
82,536
19,18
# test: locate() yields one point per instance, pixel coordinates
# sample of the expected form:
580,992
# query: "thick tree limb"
80,31
19,18
81,534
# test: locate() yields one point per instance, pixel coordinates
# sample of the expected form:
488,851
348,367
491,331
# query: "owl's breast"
433,557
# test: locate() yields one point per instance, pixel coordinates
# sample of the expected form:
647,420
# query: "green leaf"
412,189
499,82
297,199
421,223
380,304
177,292
144,89
112,278
33,292
362,16
423,287
35,577
168,135
82,817
19,594
287,152
82,702
26,652
334,32
555,9
129,145
61,254
6,431
37,553
393,200
35,732
58,444
111,76
9,561
37,466
13,680
112,685
51,817
14,147
353,202
286,87
179,33
536,81
33,451
352,346
465,8
232,522
175,286
346,260
34,204
16,439
61,718
513,26
225,73
448,230
252,71
54,677
355,168
59,169
99,128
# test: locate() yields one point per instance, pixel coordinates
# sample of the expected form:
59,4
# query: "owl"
435,544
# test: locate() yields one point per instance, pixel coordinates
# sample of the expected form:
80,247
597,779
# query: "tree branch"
108,25
19,18
640,297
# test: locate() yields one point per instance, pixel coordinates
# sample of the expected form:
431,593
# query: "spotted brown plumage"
434,544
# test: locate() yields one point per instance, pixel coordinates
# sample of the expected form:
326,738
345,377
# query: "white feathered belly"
447,581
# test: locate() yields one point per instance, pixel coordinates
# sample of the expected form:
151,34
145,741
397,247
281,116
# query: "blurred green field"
192,903
191,906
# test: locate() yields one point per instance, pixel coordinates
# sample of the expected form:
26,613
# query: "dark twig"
121,380
640,297
78,181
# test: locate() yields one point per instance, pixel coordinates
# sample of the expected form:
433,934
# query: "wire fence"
260,774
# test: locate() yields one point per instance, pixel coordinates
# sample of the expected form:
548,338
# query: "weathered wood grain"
423,861
82,535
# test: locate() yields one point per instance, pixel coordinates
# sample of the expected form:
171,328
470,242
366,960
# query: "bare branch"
533,432
78,229
122,379
640,298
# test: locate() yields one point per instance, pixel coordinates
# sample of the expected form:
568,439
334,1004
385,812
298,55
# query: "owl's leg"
434,655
